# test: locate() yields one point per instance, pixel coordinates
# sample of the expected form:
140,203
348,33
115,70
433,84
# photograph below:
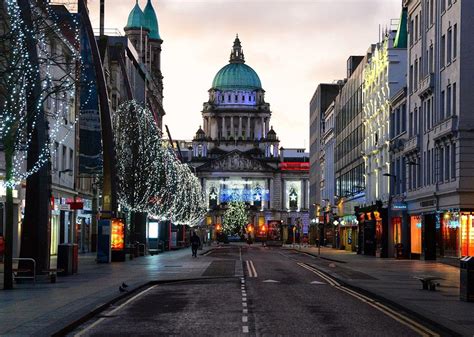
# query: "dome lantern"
237,75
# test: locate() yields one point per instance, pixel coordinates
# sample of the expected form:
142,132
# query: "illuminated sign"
118,234
294,166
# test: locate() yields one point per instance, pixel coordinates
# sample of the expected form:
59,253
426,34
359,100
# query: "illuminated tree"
235,218
33,72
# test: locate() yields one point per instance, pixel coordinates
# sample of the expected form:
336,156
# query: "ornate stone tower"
236,116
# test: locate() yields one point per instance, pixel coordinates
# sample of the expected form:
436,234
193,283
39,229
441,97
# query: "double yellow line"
408,322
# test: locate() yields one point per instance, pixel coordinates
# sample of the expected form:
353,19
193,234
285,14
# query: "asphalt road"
280,294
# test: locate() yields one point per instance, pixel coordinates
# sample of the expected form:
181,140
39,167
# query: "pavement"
44,308
393,280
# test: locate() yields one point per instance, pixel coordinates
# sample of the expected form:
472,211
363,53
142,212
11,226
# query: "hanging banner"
90,146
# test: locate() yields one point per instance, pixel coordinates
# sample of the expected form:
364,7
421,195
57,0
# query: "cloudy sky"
292,44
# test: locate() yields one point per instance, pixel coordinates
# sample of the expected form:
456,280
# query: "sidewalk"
44,308
394,280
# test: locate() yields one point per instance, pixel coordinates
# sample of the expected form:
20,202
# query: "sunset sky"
292,45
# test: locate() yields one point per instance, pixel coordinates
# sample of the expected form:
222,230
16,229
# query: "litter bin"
65,259
467,279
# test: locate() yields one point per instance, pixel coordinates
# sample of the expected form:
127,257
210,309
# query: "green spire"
136,19
401,39
151,22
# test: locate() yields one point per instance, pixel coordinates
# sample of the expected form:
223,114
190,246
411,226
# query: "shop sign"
64,207
399,206
76,205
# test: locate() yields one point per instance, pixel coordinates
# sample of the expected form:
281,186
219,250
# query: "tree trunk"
8,255
35,234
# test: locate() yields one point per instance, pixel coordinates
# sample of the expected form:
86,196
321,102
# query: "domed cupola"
136,19
271,135
151,22
236,75
200,134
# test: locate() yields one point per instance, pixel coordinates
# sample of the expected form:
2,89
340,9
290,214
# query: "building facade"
384,76
236,155
439,149
349,162
322,98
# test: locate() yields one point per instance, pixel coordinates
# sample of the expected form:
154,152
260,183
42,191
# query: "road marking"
93,325
244,304
402,319
251,268
245,319
270,281
317,282
245,329
240,253
245,311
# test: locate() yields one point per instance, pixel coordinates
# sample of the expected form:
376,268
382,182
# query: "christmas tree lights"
235,218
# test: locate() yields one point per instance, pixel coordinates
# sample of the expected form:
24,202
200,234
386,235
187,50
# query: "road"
281,293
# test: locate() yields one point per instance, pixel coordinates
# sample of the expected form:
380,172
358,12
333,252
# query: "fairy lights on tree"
235,217
151,178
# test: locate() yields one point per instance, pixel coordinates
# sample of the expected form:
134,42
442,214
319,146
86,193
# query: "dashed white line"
245,319
245,311
245,329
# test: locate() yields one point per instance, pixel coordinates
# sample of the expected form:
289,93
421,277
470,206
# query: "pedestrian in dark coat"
195,243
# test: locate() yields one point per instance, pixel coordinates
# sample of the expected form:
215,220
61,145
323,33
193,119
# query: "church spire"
237,54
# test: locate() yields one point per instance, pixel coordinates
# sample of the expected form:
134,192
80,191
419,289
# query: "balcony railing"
412,144
427,85
445,127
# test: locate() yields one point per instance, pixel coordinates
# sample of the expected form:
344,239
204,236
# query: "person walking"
195,243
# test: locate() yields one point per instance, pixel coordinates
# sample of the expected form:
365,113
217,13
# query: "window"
404,117
63,158
410,132
431,12
454,99
411,78
441,164
443,51
416,27
443,5
415,80
410,32
431,59
455,41
56,156
453,161
449,45
448,101
442,107
71,160
446,163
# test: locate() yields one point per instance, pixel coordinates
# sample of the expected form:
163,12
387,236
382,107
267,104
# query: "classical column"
224,128
232,126
267,122
263,128
270,194
248,127
240,126
303,195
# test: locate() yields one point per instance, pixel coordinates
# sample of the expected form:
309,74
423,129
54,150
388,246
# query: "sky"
293,45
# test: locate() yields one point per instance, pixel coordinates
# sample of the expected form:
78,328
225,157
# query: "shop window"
467,235
451,234
397,230
415,230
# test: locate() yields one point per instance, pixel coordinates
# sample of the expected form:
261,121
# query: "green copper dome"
136,19
151,22
236,75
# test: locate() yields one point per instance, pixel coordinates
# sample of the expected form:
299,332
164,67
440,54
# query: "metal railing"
15,273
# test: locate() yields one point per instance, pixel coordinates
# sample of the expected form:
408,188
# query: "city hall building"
237,155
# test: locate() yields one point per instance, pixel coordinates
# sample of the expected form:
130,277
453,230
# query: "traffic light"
218,227
264,228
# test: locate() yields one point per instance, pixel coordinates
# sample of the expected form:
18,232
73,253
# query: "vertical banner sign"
90,146
104,241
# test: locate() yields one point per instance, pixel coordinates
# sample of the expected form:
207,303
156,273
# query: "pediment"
236,161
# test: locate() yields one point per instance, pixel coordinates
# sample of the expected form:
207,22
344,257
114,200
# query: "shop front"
349,233
373,230
456,234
